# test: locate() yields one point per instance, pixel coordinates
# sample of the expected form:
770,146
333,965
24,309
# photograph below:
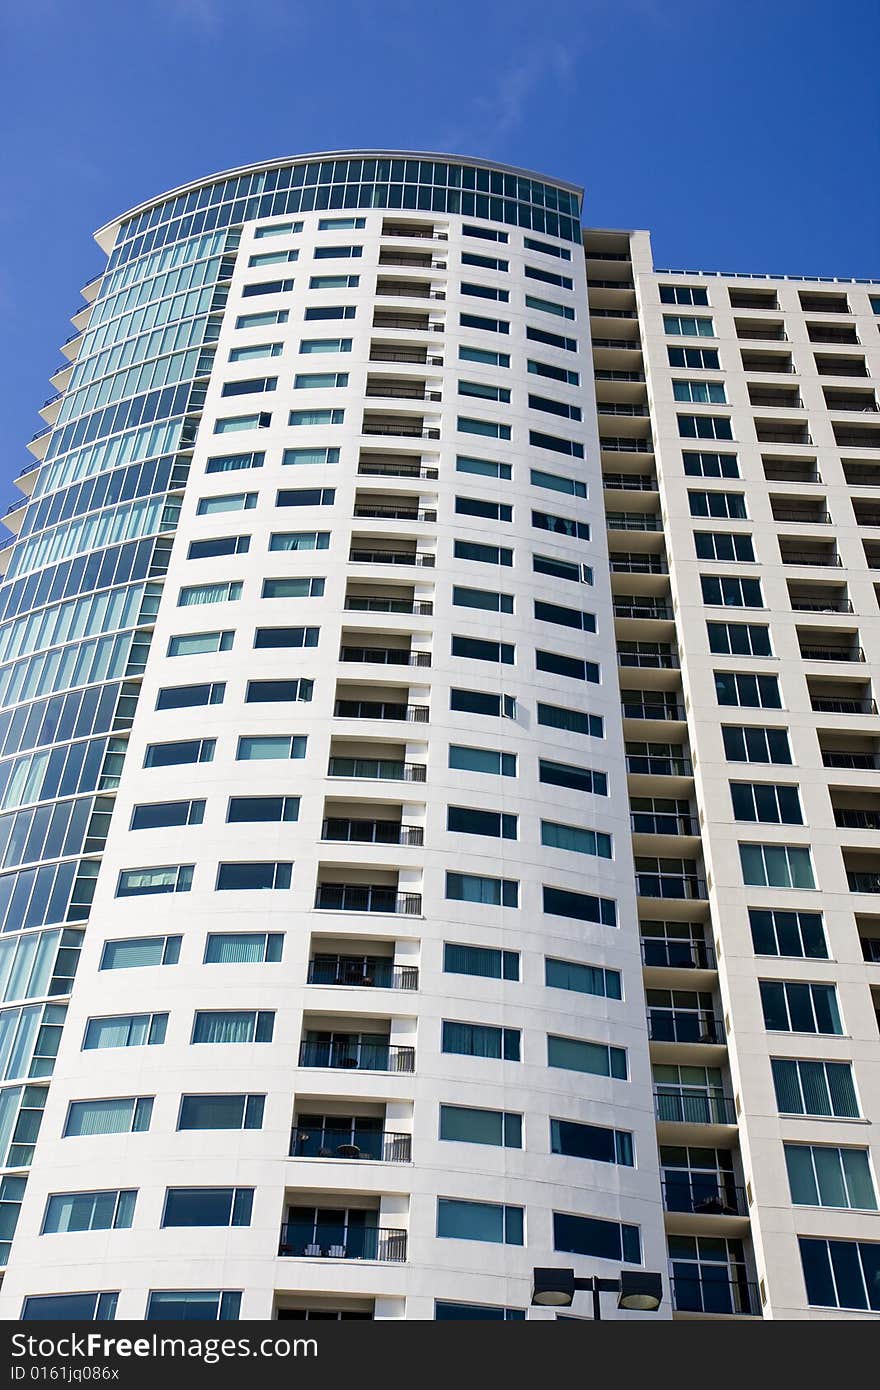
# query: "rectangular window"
234,463
252,876
576,839
267,287
255,352
459,1220
127,1115
582,979
200,643
249,386
463,1125
245,810
299,540
267,320
579,779
335,253
724,545
821,1175
685,326
704,358
814,1088
766,802
201,1305
552,407
277,229
556,483
320,312
125,1030
480,960
565,617
483,324
476,1312
223,591
244,947
555,444
540,335
233,1026
739,639
699,392
489,428
233,424
477,1040
483,391
157,815
747,690
292,457
316,417
171,878
547,248
208,1206
596,1059
341,224
483,468
314,346
79,1307
89,1211
274,692
561,525
471,888
486,233
562,569
270,638
333,282
732,592
746,744
710,465
573,721
683,294
466,820
480,506
791,1006
484,262
319,381
482,355
305,497
704,427
189,750
776,932
595,1142
484,292
549,277
221,1112
571,667
724,504
776,866
478,649
481,759
259,747
135,951
189,697
581,907
293,587
549,306
841,1273
488,599
485,554
217,546
601,1240
480,702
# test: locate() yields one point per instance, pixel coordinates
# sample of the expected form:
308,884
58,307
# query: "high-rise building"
438,793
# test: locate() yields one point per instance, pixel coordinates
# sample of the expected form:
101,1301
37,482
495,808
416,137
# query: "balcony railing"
850,818
417,357
373,974
685,1106
839,757
640,709
811,557
629,482
621,563
357,556
391,468
416,323
620,445
736,1297
681,886
832,653
377,769
619,408
633,521
380,709
380,1145
668,953
666,661
627,344
658,765
821,605
371,832
619,376
660,611
805,518
385,656
401,393
663,823
343,1242
823,706
417,262
703,1194
684,1026
871,949
395,513
363,897
341,1055
358,603
863,882
402,430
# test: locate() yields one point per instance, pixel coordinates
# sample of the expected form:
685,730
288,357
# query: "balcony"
776,398
424,231
410,260
649,655
680,886
407,289
759,330
390,466
412,323
633,521
856,818
380,709
685,1026
863,881
361,555
822,553
644,704
866,514
825,302
376,769
861,474
853,761
662,612
364,897
671,953
664,762
371,832
414,356
861,402
406,427
303,1239
630,482
663,823
715,1296
782,432
818,598
832,365
779,470
823,705
603,375
752,299
685,1105
632,562
394,512
832,333
400,390
385,656
616,408
622,445
776,362
830,652
621,344
805,514
351,1054
363,972
703,1194
375,603
382,1146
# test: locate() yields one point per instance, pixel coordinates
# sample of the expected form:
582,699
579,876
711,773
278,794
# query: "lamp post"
636,1289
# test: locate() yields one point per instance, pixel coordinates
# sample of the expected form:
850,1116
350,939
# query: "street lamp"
636,1289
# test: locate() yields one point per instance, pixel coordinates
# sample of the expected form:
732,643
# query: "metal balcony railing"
661,611
392,468
629,482
417,357
377,769
416,323
715,1295
806,518
372,974
641,709
362,897
385,656
627,344
686,887
633,521
839,757
850,818
863,882
383,1243
391,557
823,706
620,445
658,765
619,562
402,513
400,393
829,559
832,653
685,1026
703,1194
619,376
371,832
619,408
380,709
668,953
359,603
402,431
663,823
610,284
682,1105
355,1055
382,1146
667,661
820,605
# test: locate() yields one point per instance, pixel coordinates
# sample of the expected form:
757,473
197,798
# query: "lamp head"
553,1288
640,1291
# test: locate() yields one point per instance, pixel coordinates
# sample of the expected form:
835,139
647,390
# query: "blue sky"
738,131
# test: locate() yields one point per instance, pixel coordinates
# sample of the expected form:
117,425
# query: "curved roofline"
333,154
